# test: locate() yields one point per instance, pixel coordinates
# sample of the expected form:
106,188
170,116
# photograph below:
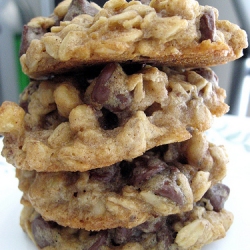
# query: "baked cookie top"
174,33
186,231
165,180
81,122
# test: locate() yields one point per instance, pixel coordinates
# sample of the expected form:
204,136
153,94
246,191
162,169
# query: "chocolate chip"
78,7
208,74
121,235
29,33
101,240
110,89
101,90
217,194
71,178
123,101
42,232
165,235
169,191
24,105
146,168
105,174
152,226
207,26
169,187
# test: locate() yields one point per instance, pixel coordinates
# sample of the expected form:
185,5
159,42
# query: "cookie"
165,180
186,231
87,121
175,33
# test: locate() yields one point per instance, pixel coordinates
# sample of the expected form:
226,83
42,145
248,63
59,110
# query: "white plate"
229,131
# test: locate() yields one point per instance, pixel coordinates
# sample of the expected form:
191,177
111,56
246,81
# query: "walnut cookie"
175,33
185,231
165,180
82,122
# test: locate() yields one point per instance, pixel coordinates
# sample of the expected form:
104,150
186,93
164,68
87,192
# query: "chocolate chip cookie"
165,180
113,113
189,230
176,33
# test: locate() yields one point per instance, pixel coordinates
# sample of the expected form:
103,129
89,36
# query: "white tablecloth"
231,131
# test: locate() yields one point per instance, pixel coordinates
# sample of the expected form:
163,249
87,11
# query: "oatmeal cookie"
112,114
176,33
165,180
186,231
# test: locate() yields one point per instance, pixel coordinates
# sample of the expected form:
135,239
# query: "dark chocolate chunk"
41,230
169,187
217,194
169,190
30,33
207,26
101,90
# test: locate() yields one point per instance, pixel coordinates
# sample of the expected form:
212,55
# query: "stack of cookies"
108,138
